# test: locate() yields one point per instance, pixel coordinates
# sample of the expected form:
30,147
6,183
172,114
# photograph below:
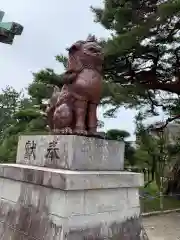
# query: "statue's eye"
93,50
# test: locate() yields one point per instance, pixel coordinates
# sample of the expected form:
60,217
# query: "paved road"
163,227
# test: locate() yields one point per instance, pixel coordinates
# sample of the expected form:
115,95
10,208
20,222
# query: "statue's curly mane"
85,54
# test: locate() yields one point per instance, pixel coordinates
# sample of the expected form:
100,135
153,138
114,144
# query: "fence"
155,202
148,174
150,198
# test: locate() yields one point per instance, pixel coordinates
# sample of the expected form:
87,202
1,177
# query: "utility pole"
8,30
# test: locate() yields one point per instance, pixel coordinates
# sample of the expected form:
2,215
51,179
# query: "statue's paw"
96,134
67,130
80,132
92,133
56,131
63,131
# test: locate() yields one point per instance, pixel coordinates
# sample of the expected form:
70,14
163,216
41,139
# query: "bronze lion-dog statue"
73,109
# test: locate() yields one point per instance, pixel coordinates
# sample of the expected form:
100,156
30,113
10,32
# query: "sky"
49,28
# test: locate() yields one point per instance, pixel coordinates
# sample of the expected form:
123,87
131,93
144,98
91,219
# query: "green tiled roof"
8,30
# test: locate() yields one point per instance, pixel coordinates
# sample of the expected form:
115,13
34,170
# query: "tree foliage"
19,115
142,56
116,134
155,151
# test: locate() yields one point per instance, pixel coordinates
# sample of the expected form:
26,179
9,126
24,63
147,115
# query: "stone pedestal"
70,152
45,203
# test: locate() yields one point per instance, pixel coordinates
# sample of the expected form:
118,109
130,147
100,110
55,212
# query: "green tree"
19,115
154,149
116,134
142,54
122,135
9,102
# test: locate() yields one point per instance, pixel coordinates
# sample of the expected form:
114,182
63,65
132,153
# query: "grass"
150,200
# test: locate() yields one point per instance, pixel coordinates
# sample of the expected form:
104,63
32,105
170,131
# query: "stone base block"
71,180
74,206
70,152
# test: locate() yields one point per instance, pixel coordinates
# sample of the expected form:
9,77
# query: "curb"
159,212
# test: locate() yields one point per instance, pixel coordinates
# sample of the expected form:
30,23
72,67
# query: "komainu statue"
72,110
